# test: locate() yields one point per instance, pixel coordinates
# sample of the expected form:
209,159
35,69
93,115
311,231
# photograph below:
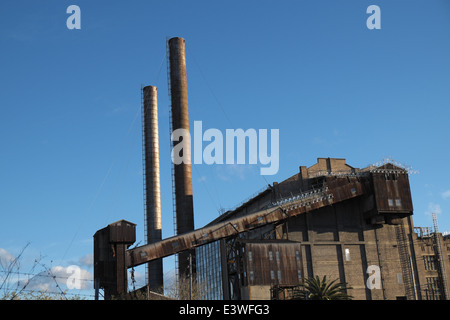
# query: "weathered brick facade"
369,241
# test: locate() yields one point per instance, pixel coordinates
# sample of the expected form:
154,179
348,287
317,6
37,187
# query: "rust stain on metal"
336,190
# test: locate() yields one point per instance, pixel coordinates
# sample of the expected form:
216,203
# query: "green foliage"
315,288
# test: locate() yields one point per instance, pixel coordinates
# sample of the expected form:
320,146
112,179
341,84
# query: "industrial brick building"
350,224
354,241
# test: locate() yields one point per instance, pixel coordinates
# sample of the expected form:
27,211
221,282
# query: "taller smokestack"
183,174
152,183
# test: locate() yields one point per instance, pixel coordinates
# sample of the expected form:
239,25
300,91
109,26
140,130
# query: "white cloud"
433,208
58,279
40,279
5,258
445,194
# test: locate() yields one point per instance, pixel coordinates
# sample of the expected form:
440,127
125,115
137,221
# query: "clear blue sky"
70,132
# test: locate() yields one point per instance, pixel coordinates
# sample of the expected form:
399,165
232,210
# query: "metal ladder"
405,262
172,167
144,176
443,284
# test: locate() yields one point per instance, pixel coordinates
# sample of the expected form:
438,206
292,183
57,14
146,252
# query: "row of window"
277,256
395,202
393,176
432,291
279,276
275,275
209,270
429,262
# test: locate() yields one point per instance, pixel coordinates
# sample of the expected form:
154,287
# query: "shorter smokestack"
152,183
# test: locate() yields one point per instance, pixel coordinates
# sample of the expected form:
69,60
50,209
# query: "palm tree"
322,289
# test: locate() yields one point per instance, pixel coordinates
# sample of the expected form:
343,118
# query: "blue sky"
70,132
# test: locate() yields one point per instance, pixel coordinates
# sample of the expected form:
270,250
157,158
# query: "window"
209,269
347,254
429,262
398,202
279,275
277,254
390,202
297,256
272,275
270,255
432,289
